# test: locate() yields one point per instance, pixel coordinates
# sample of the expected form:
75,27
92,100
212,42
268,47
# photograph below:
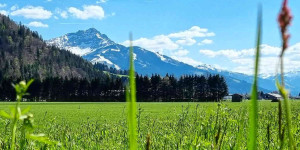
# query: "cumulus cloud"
194,31
88,12
229,53
244,59
172,41
14,7
205,42
62,13
266,50
31,12
101,1
2,5
186,41
3,12
182,52
156,44
38,24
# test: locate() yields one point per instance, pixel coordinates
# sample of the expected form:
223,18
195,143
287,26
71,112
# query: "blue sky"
219,33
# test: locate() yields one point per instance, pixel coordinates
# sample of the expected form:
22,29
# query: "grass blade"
253,122
287,109
131,101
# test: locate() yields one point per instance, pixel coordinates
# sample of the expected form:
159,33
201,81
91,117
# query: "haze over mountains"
97,47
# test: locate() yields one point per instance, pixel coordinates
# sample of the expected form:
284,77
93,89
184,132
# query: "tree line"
190,88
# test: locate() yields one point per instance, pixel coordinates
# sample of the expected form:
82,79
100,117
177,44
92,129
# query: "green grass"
171,125
118,75
252,145
131,101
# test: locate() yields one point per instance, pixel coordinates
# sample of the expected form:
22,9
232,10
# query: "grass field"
170,125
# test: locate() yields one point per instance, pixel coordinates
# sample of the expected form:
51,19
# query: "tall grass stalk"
21,89
253,122
131,101
287,110
284,20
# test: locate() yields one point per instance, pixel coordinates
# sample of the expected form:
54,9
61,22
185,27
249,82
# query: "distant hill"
24,54
98,48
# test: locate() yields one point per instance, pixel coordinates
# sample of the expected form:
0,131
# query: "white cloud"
31,12
243,60
38,24
186,41
88,12
205,42
172,41
101,1
14,7
194,31
2,5
182,52
187,37
266,50
3,12
156,44
228,53
64,14
187,60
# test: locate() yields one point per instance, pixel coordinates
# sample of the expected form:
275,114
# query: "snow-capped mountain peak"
82,42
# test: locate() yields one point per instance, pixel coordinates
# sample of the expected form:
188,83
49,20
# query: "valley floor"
169,125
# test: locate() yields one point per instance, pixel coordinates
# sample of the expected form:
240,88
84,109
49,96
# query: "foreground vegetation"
170,125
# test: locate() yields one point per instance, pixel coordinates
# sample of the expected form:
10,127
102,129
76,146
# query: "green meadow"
169,125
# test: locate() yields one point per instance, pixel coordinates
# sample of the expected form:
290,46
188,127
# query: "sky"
220,33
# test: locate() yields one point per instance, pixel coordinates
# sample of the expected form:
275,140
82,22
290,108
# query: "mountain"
24,54
291,81
98,48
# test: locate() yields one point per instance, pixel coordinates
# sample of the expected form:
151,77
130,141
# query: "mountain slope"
23,54
98,48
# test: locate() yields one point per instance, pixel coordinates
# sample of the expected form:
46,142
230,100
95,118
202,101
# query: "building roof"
275,95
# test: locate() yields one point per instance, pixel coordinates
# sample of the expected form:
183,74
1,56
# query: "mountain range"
98,48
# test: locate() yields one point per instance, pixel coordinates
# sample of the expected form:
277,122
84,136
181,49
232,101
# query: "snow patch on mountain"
208,67
79,51
102,59
98,35
60,42
160,56
115,50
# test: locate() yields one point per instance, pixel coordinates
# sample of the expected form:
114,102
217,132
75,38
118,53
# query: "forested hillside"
24,55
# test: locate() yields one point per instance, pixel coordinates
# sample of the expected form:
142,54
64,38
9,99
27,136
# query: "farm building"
237,98
273,96
228,97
